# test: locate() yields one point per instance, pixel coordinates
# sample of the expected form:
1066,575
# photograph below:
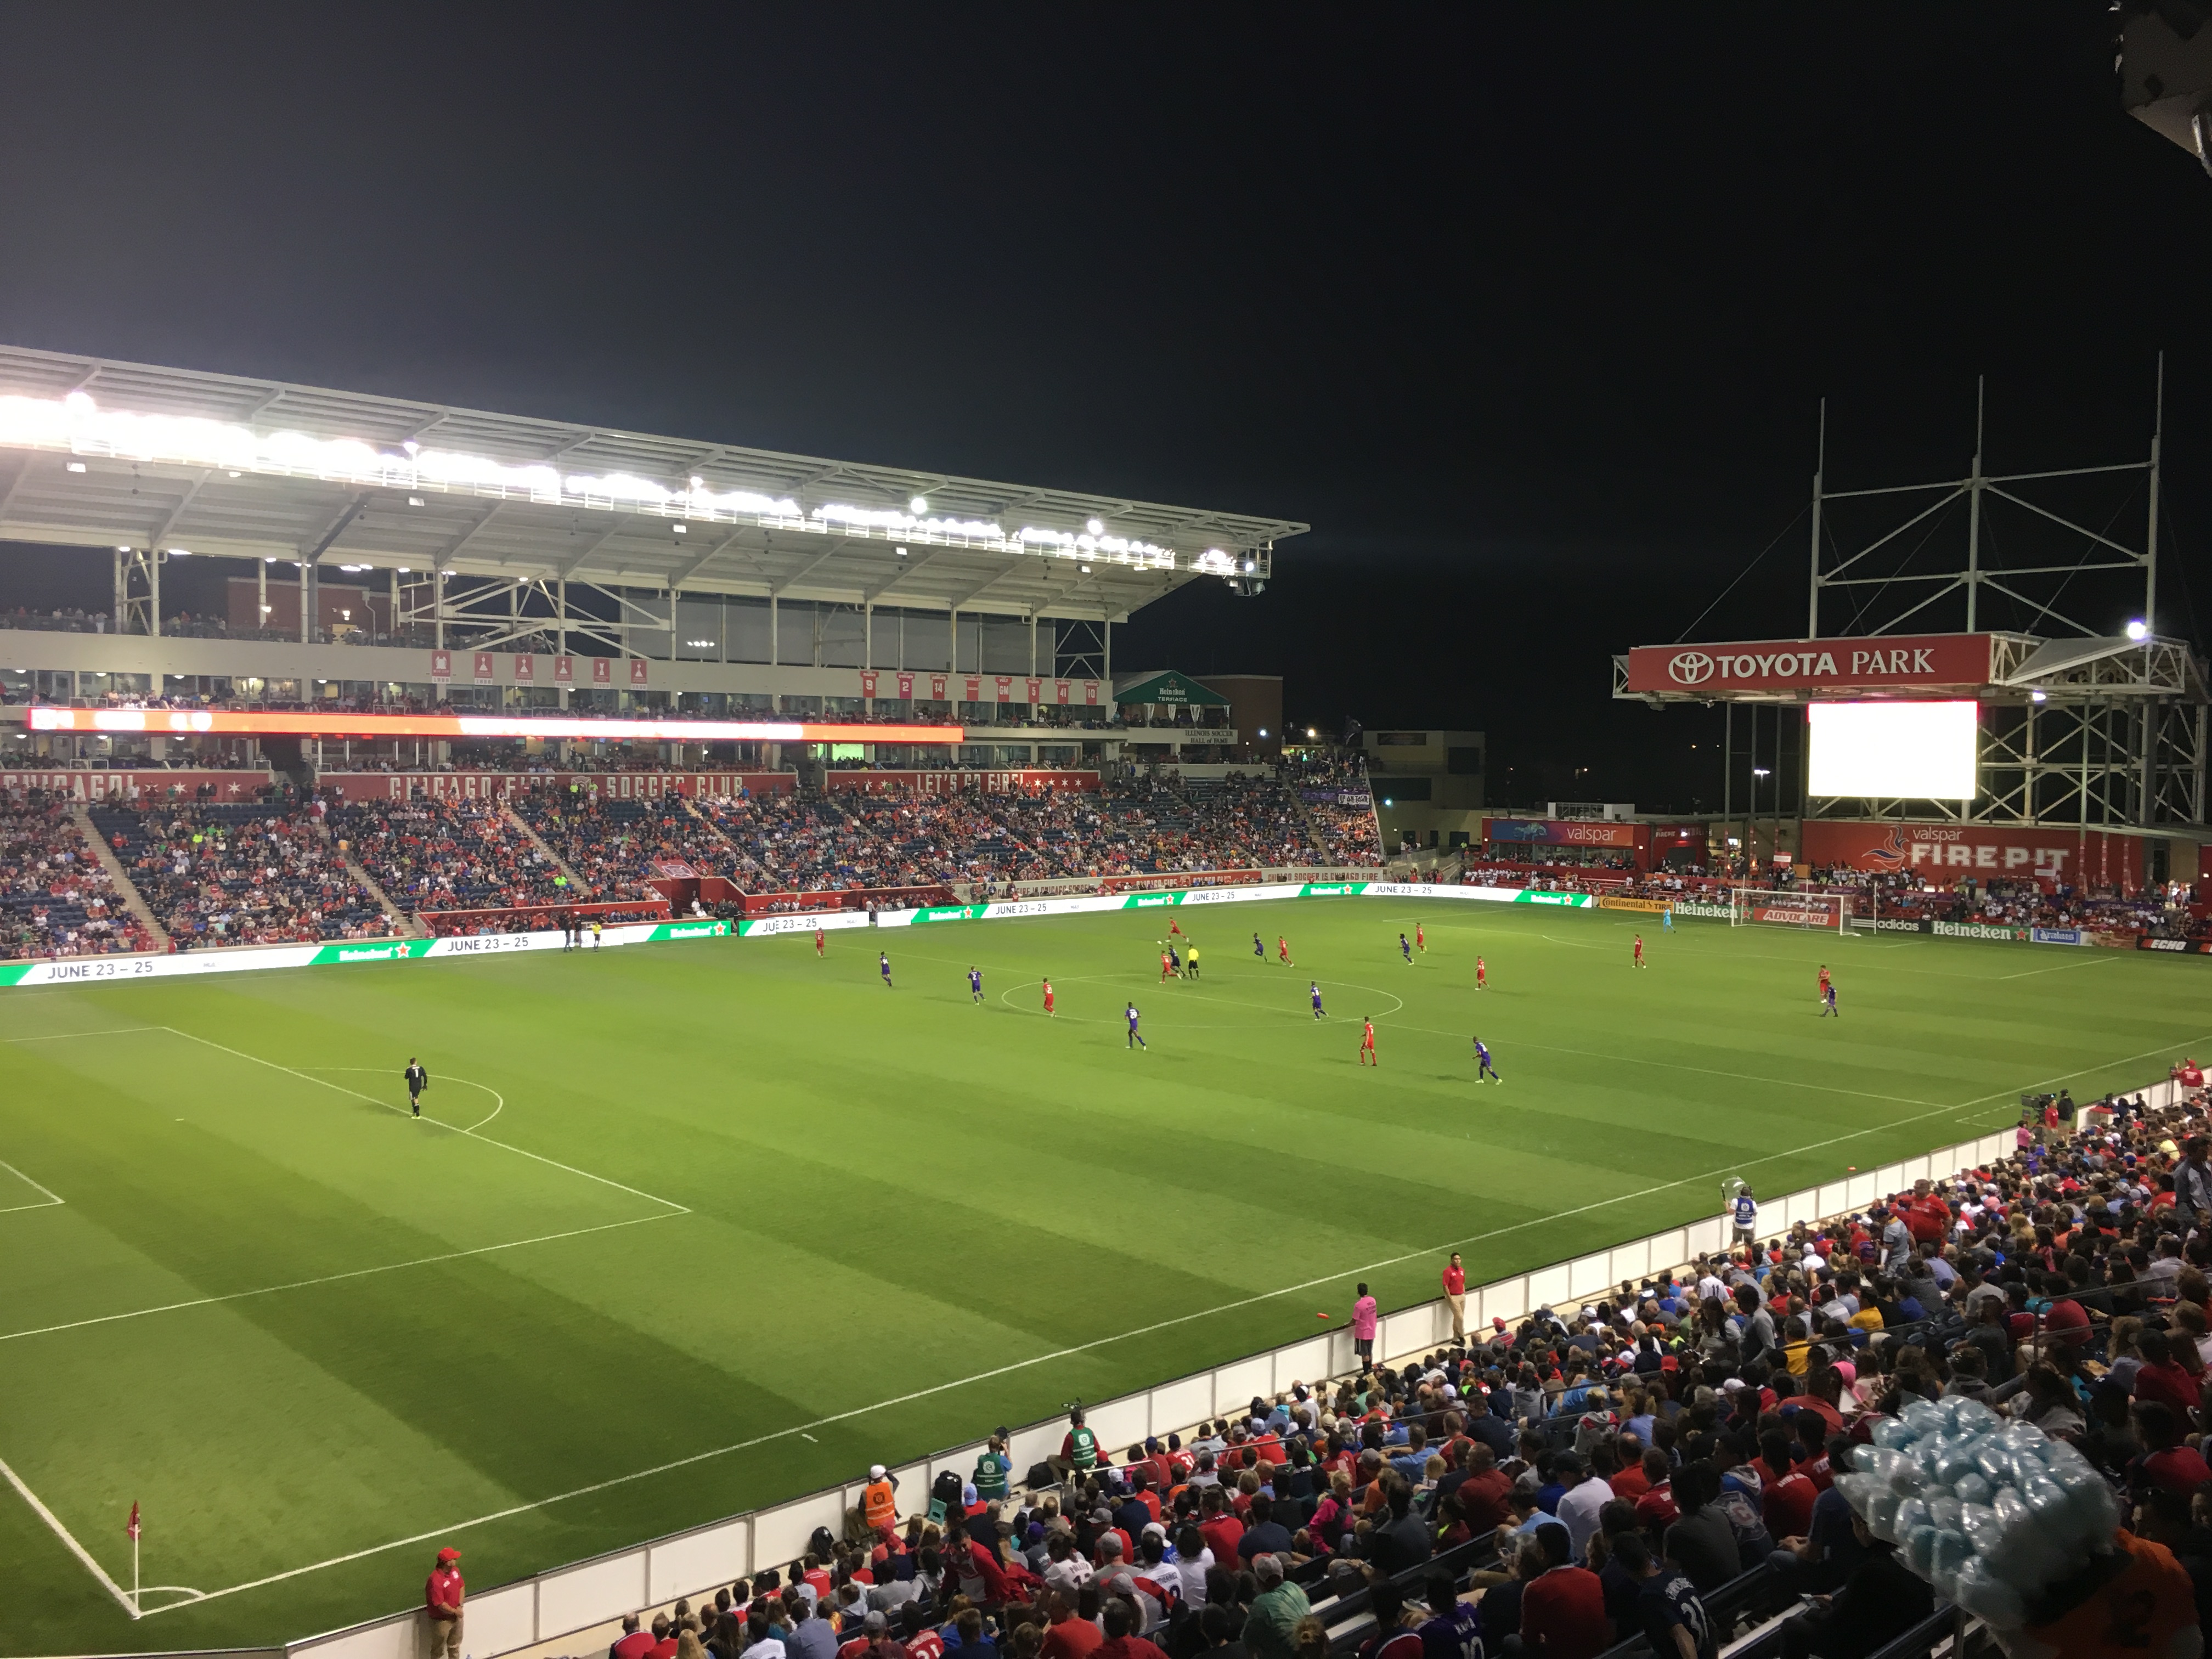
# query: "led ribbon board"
308,723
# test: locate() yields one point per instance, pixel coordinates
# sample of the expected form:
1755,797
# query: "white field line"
2093,962
54,1524
325,1083
63,1036
800,1429
328,1278
51,1198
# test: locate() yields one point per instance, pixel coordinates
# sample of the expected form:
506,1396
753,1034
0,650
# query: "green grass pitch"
722,1191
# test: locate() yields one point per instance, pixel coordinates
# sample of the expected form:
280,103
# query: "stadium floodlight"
178,552
73,466
75,423
680,529
1083,569
900,551
2138,630
414,500
1263,730
2039,696
1094,526
1760,772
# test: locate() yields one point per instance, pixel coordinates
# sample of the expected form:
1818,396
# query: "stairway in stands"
575,885
133,900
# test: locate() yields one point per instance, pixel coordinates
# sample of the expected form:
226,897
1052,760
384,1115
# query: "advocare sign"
1919,660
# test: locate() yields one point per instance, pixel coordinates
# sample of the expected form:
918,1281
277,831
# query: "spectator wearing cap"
441,1601
1271,1626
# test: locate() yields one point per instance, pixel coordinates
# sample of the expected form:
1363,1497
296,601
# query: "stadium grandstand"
381,681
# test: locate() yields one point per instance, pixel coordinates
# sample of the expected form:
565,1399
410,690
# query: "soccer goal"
1764,907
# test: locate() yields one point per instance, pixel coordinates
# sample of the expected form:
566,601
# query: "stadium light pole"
1750,837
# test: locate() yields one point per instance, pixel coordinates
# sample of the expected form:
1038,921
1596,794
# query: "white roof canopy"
100,453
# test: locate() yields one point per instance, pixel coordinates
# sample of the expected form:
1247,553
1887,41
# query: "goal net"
1765,906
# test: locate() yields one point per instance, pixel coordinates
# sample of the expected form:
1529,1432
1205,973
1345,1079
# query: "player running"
976,985
1421,938
1258,948
1828,1002
1047,999
1821,996
1314,988
884,966
1175,929
1136,1039
1283,951
1175,961
1482,1064
1405,949
1367,1043
1165,968
820,940
1481,975
1639,950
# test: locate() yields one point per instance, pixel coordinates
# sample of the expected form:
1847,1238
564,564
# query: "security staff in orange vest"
879,1502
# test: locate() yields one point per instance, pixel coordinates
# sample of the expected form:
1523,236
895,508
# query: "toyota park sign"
1930,662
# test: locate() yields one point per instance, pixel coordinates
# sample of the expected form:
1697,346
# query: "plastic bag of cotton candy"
1988,1510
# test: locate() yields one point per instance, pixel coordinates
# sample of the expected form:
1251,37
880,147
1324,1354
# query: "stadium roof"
98,453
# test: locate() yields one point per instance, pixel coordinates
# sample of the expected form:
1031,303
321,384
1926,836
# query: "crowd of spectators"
435,855
1349,832
1660,1461
56,899
614,848
225,875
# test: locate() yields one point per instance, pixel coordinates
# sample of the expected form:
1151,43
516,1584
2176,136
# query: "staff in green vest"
1079,1452
993,1470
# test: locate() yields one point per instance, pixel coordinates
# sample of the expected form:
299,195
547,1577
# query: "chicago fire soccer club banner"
1946,853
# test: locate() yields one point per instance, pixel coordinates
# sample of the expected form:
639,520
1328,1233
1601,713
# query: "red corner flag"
133,1528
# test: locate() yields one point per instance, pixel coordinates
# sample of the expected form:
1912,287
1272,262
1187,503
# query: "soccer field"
725,1202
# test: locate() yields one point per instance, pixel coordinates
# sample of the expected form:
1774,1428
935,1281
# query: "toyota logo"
1690,668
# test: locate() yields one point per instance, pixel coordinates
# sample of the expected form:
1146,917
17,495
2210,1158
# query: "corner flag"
133,1528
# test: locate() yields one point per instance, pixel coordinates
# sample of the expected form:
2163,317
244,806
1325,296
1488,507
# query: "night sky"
1528,315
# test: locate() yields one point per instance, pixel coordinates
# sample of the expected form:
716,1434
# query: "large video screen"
1895,750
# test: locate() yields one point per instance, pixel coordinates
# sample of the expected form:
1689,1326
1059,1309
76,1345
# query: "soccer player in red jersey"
819,940
1164,969
1048,996
1821,995
1367,1043
1481,975
1421,938
1283,951
1639,950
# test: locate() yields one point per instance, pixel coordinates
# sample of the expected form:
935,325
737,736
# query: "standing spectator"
2192,1183
1363,1328
441,1598
1456,1296
1562,1611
